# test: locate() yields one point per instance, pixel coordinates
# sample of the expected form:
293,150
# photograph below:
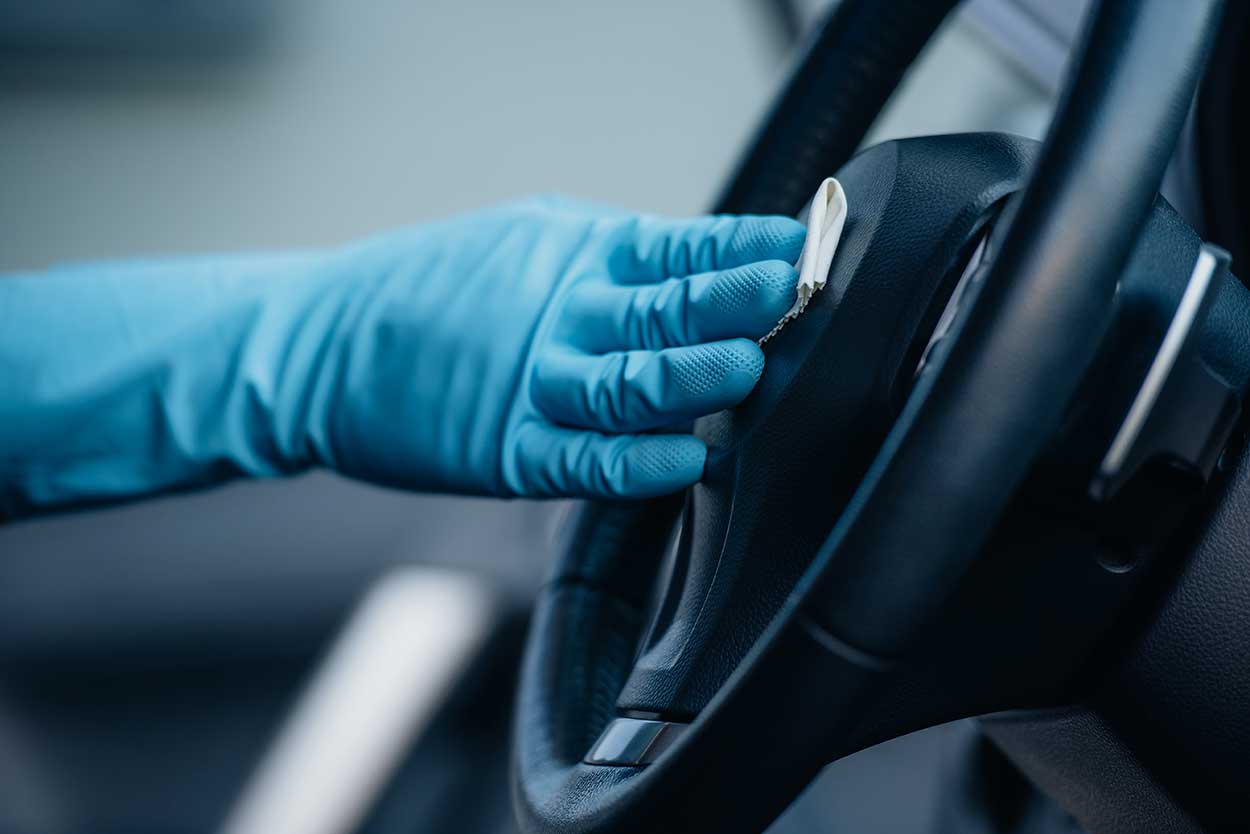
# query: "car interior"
971,558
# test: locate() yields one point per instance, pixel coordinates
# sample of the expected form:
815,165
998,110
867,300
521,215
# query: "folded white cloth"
825,218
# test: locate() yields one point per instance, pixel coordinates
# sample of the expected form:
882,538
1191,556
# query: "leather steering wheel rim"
1033,328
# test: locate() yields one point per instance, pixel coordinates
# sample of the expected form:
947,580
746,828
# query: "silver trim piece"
634,741
1161,367
947,318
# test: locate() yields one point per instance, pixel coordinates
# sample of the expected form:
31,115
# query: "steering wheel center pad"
783,465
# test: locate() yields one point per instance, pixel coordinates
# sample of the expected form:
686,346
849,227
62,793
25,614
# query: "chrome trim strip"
1161,367
627,742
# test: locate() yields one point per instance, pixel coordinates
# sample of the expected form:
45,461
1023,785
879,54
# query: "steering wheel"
699,680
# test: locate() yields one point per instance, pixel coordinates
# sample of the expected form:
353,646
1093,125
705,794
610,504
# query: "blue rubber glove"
521,351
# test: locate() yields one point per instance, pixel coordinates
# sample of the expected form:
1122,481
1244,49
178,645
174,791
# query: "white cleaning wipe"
825,217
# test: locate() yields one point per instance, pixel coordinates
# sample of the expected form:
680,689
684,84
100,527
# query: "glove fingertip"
767,237
654,465
727,369
749,300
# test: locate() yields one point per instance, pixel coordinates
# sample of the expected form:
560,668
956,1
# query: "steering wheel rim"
1033,327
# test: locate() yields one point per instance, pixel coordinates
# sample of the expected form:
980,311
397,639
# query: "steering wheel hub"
783,465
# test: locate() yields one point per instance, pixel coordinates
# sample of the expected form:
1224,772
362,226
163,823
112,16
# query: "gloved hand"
524,350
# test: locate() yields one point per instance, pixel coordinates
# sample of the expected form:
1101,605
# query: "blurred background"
160,663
